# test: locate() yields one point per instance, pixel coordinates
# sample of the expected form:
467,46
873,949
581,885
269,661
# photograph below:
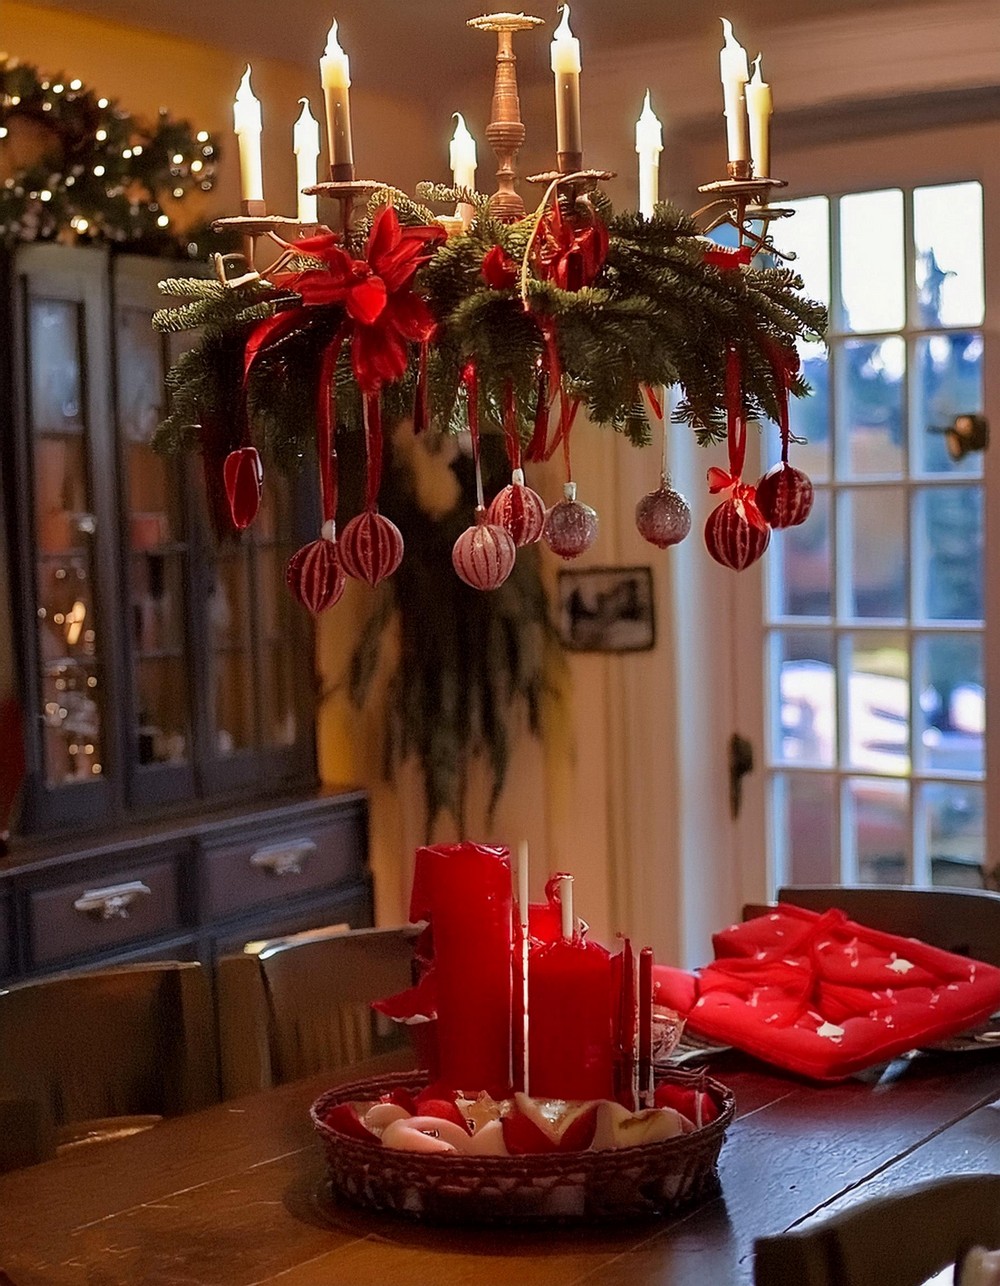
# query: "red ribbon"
743,493
325,418
784,364
471,382
373,449
510,433
570,252
728,260
499,269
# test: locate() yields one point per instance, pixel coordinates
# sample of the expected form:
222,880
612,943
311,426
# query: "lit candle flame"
757,78
332,43
245,92
562,31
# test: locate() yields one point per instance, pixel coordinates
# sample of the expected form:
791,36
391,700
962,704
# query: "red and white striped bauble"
483,556
371,547
518,510
731,539
570,526
785,495
315,576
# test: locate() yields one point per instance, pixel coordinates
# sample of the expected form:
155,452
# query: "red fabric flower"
383,311
499,269
569,252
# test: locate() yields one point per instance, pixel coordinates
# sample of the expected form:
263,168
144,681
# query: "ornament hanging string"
371,408
510,433
326,394
658,406
784,364
471,384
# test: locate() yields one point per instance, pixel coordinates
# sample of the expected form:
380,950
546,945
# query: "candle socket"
740,170
342,172
569,162
253,209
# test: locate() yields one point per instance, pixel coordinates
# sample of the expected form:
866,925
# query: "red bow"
383,312
568,252
744,494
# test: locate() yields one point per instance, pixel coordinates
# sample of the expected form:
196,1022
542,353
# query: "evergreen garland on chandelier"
657,313
74,163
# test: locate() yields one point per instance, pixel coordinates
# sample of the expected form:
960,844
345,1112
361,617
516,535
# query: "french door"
874,616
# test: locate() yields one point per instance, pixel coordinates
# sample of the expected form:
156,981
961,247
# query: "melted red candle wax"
464,890
570,1000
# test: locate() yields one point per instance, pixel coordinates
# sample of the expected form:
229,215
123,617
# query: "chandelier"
495,318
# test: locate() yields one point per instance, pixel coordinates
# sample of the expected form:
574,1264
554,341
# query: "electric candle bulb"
335,74
566,69
649,145
735,74
305,140
759,109
247,126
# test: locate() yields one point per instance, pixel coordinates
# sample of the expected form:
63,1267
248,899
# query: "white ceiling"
427,43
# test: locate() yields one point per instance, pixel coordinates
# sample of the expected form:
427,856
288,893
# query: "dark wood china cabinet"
166,679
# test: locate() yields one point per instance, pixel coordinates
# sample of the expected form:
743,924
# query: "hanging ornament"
314,574
244,479
483,556
570,526
371,547
732,539
663,516
519,510
785,495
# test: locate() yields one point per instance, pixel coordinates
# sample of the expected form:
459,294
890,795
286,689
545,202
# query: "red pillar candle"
464,890
570,1005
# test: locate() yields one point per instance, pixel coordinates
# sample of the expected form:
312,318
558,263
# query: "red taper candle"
645,1026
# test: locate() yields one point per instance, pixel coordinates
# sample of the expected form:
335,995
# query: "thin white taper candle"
566,906
522,910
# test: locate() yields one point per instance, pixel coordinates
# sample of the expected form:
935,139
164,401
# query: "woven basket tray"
654,1179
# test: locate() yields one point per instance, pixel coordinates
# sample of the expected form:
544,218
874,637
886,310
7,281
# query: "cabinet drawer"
264,868
105,912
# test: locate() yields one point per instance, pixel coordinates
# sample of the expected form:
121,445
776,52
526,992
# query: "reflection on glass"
140,374
800,567
871,261
878,702
162,733
807,236
948,236
232,685
157,603
805,828
806,696
954,818
54,337
227,603
63,520
870,381
947,381
948,553
948,673
878,829
809,417
879,571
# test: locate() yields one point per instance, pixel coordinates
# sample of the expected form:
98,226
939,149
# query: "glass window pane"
878,702
807,236
948,673
878,829
879,567
162,706
953,817
948,236
947,381
871,261
804,685
231,676
157,603
805,829
63,521
870,383
948,553
140,374
54,337
799,564
282,632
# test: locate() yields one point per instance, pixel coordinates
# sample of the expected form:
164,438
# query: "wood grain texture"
235,1195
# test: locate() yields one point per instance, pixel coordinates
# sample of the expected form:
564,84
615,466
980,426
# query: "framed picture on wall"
607,609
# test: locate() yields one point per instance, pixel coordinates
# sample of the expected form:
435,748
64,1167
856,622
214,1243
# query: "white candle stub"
247,126
305,141
649,145
735,74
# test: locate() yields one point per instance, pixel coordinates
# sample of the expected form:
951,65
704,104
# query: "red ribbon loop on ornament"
511,436
326,393
784,364
736,419
654,402
372,410
471,383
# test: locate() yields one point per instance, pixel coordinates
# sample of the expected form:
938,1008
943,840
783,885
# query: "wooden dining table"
236,1195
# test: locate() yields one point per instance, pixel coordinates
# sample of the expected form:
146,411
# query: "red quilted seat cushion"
825,997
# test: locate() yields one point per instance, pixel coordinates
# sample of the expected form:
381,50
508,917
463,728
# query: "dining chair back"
132,1041
898,1240
302,1005
965,921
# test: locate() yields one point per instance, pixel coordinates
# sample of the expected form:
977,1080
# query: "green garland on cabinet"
75,164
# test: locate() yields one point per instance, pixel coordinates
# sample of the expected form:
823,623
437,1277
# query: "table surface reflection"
235,1196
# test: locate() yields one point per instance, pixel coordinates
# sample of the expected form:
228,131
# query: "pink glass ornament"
785,495
570,526
483,556
518,510
243,476
371,547
731,539
663,517
315,576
